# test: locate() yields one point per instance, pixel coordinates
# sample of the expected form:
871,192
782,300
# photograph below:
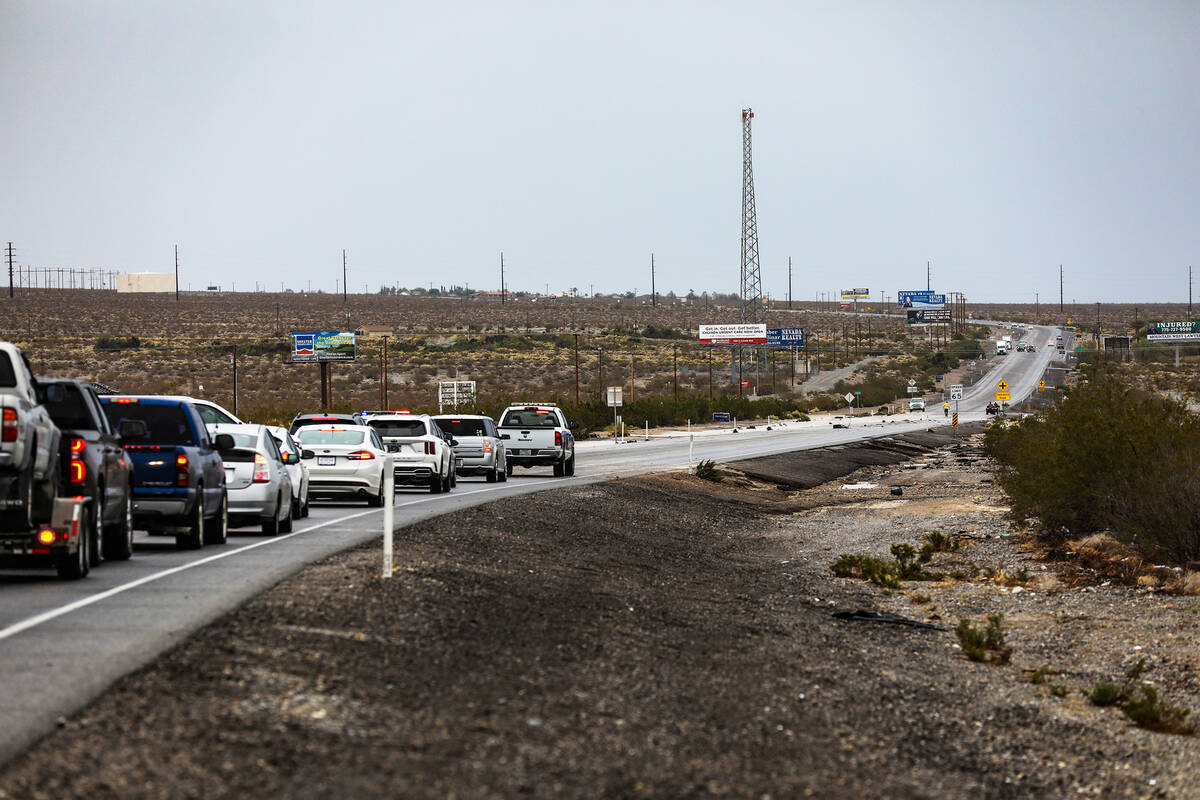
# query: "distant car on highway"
300,420
480,450
348,463
538,434
297,468
422,453
916,404
257,480
210,412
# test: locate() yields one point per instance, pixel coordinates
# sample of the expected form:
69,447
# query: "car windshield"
71,412
164,424
462,427
530,419
398,428
309,435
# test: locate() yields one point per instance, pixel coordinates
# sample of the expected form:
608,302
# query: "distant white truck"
538,434
1004,346
29,442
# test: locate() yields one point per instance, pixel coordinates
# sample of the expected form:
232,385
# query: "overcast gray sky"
995,139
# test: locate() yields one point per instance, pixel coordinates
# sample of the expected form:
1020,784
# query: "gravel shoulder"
660,636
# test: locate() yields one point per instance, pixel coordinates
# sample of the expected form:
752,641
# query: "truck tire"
96,535
502,474
118,538
216,528
560,467
193,539
570,465
74,566
493,474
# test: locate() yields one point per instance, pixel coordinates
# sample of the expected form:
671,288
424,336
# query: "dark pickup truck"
178,475
94,466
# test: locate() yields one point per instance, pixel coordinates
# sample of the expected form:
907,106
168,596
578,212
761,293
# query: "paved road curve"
62,644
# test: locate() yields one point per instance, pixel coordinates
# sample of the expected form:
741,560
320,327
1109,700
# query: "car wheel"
376,501
493,475
217,529
508,468
570,465
285,524
306,507
193,539
270,527
75,565
453,478
435,484
502,474
96,534
294,511
560,467
118,538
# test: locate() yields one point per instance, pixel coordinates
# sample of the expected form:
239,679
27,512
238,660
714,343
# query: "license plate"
524,452
326,461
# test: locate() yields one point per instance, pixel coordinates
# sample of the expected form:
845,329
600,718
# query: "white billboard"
740,333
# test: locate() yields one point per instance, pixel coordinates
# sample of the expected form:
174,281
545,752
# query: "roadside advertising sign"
785,337
722,416
856,294
1003,397
928,316
745,384
733,334
455,394
920,299
615,396
1173,331
318,346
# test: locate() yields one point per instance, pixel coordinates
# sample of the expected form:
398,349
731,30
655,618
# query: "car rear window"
398,428
71,412
461,427
8,377
245,439
529,419
164,424
311,435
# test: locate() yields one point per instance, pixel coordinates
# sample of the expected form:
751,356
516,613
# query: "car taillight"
46,536
10,425
181,470
430,449
261,475
360,455
558,438
78,471
487,445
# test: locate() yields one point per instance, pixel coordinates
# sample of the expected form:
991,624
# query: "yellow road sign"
1002,386
1041,386
1003,397
954,421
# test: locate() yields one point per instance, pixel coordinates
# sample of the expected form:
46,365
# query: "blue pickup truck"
178,475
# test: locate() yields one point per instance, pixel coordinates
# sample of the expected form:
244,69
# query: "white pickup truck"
29,442
538,434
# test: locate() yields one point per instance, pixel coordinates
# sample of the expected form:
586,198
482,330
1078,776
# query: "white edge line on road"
46,616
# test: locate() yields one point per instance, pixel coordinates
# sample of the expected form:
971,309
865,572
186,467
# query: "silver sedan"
257,479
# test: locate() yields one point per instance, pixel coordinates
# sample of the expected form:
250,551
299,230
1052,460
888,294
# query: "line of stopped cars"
81,468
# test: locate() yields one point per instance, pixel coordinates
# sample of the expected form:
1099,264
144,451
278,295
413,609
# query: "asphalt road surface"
62,644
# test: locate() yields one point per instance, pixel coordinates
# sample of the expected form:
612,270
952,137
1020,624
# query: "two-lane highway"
61,644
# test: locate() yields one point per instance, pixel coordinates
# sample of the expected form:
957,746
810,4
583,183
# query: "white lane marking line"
46,616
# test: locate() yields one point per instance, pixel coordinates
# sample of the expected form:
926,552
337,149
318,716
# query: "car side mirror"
223,442
307,454
505,436
453,442
131,429
291,458
572,425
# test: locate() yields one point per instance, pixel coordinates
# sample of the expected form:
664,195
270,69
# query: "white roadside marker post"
691,445
647,430
388,490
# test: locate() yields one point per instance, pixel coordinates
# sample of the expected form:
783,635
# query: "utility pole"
10,270
344,284
1189,291
600,379
383,377
928,278
1060,289
501,277
675,369
1036,307
653,290
233,361
789,283
632,377
577,369
176,273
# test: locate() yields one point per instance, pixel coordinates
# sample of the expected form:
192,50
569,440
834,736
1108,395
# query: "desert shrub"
1107,457
1146,710
709,472
117,343
986,645
663,332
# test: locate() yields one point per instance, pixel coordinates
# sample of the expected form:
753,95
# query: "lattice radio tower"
751,289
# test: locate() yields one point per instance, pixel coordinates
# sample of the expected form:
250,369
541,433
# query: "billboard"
856,294
1173,331
740,333
920,299
928,316
317,346
785,337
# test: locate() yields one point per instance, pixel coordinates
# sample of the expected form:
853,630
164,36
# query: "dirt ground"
662,636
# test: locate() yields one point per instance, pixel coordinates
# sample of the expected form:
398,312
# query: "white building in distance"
146,282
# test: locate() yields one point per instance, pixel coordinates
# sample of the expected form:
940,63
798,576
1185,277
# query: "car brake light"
181,470
78,445
123,400
261,475
487,445
402,411
78,471
360,455
46,536
558,438
430,449
10,425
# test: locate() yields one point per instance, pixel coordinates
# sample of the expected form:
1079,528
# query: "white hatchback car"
297,468
422,453
348,462
256,478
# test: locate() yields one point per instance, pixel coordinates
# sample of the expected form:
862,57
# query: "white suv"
422,454
916,404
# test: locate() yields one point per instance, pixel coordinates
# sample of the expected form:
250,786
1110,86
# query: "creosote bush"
709,472
905,565
1141,704
1107,458
986,645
